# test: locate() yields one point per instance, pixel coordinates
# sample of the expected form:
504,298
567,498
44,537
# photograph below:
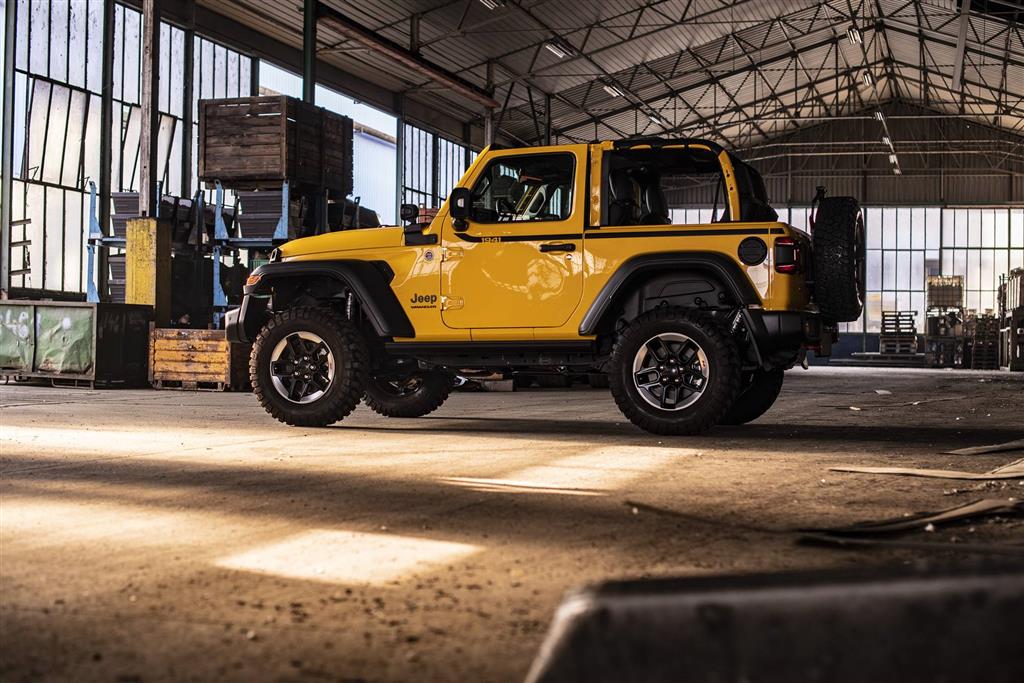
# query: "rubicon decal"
423,300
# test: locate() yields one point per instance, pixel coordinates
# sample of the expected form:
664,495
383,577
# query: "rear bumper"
242,324
779,336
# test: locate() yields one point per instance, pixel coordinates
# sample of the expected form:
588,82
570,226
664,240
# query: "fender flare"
369,280
721,267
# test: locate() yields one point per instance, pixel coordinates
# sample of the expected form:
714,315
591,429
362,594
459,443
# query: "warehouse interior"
156,524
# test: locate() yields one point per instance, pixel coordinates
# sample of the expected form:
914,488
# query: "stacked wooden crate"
196,359
982,333
258,143
899,333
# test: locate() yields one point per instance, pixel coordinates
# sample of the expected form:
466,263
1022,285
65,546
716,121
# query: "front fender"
370,281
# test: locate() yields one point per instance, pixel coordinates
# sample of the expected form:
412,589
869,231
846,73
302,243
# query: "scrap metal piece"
1016,445
979,508
1013,470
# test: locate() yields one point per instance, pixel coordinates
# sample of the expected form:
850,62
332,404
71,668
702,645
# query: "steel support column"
187,87
10,38
106,139
399,154
149,168
309,17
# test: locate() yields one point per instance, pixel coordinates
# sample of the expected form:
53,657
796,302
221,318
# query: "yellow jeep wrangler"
561,259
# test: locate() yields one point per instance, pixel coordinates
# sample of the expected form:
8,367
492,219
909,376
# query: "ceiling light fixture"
560,48
613,90
893,160
853,33
658,120
896,170
887,142
869,80
494,4
880,116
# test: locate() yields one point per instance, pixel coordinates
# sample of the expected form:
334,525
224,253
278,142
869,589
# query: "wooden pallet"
196,360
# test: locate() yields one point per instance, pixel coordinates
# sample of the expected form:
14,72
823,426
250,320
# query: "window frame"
502,158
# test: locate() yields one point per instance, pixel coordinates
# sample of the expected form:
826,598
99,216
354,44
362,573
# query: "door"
517,261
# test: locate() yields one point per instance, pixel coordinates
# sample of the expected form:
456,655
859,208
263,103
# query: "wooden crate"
256,143
196,359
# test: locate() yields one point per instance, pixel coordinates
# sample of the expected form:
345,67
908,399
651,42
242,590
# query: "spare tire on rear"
839,259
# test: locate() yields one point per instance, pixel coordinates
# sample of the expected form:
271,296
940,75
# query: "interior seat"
655,206
622,204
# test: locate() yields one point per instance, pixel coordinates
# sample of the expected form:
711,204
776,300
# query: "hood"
344,241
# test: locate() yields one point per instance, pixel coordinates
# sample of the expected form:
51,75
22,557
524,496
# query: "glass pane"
888,270
917,227
917,270
873,226
933,221
988,278
1017,227
973,228
874,269
889,228
903,218
1002,228
903,270
988,228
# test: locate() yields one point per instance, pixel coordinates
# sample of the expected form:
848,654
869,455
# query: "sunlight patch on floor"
591,474
348,556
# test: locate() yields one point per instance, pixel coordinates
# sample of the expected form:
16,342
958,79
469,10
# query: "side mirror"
409,212
460,203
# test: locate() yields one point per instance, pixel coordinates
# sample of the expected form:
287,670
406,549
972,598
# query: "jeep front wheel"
674,372
412,396
308,367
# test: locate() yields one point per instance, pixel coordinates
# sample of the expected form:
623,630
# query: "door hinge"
451,253
451,303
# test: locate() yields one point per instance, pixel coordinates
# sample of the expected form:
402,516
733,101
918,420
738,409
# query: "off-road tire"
761,389
723,378
433,390
839,259
346,344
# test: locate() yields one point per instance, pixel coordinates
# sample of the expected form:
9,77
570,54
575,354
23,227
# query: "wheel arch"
370,281
674,277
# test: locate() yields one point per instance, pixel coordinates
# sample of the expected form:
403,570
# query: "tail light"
788,257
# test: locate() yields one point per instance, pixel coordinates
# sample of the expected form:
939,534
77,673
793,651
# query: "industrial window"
530,187
432,166
907,244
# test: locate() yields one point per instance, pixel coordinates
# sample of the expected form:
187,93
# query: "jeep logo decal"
423,300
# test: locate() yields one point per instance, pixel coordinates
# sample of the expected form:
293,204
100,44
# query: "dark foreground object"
954,625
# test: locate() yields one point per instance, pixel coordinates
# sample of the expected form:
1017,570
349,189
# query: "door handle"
561,246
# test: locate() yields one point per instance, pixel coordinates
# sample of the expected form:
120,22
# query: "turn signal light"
787,255
252,280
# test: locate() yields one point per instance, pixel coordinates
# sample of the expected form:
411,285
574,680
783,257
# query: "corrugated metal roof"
739,70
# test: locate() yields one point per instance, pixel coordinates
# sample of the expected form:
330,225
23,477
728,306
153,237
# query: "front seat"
655,206
621,205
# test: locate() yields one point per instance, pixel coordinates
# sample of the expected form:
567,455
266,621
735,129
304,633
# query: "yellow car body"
494,283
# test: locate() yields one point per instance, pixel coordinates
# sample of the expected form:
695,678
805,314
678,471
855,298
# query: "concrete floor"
150,536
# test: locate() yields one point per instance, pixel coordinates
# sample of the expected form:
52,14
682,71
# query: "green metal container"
88,342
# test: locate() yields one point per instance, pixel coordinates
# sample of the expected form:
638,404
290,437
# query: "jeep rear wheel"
839,259
760,389
674,372
308,367
412,396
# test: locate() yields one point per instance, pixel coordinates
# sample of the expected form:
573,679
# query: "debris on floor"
1013,470
1016,445
986,507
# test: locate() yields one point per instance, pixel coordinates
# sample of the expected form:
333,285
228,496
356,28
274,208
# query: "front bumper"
779,336
242,324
